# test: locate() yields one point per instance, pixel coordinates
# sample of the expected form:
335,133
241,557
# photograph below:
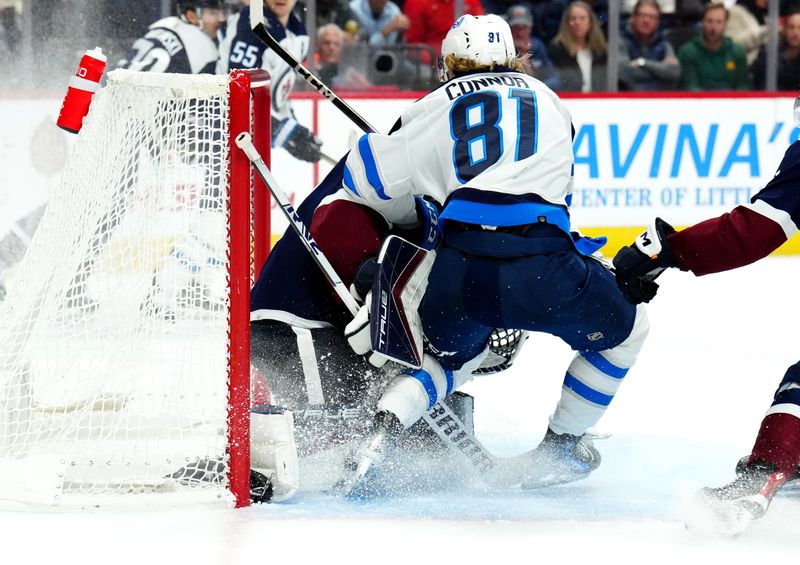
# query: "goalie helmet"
484,40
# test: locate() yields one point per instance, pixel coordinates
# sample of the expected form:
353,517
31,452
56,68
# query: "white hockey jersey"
173,46
241,49
492,148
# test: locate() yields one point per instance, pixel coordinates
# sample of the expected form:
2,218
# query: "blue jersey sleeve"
783,191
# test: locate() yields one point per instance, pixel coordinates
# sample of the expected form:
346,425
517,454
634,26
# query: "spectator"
648,61
337,12
9,10
537,63
579,50
712,61
329,67
664,6
788,56
747,26
547,14
431,20
381,21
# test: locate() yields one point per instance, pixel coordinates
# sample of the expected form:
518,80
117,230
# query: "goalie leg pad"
273,453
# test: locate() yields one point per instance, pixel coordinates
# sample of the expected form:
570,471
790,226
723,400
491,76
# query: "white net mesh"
114,335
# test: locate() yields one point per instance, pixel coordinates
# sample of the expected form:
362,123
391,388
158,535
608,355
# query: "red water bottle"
82,87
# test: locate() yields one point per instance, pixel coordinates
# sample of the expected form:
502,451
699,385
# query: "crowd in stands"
698,45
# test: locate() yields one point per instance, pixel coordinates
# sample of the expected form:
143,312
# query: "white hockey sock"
592,380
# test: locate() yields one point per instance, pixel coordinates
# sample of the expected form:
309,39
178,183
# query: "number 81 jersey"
491,147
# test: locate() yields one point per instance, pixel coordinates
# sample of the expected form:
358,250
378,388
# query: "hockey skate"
729,509
793,481
560,459
369,454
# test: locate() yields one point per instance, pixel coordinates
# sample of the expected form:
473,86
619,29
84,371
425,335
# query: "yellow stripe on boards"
619,237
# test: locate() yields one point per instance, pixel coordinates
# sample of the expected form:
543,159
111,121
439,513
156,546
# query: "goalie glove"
296,139
638,265
388,324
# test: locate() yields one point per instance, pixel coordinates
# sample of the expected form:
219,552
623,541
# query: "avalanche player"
297,342
185,44
493,146
745,235
241,49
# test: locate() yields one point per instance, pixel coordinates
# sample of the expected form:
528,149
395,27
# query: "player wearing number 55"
493,147
242,49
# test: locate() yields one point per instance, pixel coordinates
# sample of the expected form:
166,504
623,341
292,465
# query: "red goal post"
250,105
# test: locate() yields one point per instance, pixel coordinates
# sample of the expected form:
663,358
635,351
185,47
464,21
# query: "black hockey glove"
365,276
639,264
296,139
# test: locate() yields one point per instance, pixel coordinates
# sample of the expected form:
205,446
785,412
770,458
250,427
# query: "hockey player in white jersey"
241,49
493,146
185,44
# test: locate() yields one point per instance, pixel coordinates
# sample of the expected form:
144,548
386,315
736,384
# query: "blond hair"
457,66
596,41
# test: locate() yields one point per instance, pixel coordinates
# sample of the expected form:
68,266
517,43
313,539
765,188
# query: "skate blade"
508,473
711,516
348,487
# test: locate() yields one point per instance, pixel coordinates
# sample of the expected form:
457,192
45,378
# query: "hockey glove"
388,324
365,276
296,139
639,264
428,216
425,232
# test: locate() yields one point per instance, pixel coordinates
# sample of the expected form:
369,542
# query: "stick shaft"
244,141
257,24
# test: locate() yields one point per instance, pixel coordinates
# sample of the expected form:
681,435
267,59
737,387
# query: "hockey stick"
441,419
258,27
327,158
245,142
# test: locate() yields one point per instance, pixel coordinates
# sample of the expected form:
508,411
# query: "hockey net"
124,342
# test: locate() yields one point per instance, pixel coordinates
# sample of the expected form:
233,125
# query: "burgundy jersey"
749,232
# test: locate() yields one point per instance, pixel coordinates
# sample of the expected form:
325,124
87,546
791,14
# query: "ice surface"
718,347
